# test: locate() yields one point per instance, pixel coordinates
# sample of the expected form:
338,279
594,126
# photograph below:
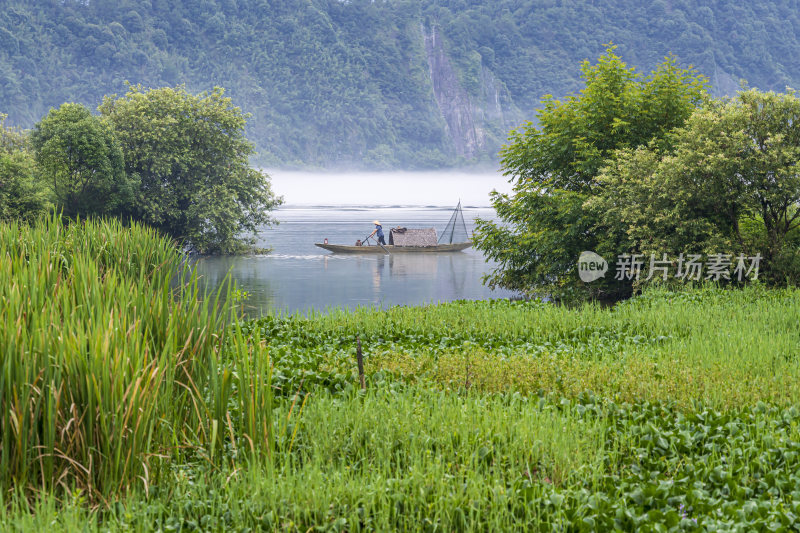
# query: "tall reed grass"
112,361
417,459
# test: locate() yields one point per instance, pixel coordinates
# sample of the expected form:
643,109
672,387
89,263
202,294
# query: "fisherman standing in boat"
379,231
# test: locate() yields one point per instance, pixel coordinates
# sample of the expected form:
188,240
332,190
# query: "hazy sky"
386,188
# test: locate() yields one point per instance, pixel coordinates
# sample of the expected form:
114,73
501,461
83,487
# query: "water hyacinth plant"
130,399
703,345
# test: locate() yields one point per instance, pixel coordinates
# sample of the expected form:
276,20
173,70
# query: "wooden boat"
408,240
393,249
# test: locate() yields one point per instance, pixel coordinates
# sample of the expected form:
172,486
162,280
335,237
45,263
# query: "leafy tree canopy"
22,195
731,185
82,161
190,157
543,225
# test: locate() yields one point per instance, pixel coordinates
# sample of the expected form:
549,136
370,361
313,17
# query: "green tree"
329,81
190,156
80,158
730,185
543,225
22,196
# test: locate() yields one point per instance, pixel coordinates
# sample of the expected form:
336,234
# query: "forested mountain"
393,83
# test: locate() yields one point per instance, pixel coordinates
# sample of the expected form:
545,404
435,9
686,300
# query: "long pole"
379,244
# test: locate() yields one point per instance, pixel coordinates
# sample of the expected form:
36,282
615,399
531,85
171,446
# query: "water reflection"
423,265
297,276
248,273
380,264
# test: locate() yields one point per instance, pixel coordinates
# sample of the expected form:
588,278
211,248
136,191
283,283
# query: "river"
298,276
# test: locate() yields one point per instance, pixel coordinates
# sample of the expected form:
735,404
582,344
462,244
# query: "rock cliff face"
496,109
474,122
452,99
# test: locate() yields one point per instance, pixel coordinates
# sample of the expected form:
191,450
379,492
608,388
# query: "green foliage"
701,345
22,195
695,449
190,157
357,71
463,468
543,225
175,161
730,185
654,415
79,156
113,363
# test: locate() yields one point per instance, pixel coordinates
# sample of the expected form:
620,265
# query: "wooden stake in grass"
360,361
466,374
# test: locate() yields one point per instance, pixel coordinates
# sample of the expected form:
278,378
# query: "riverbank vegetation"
112,365
702,345
175,161
648,172
129,400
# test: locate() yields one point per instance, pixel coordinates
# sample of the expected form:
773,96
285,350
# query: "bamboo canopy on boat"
413,237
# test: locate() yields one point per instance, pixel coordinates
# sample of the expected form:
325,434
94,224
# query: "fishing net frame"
454,228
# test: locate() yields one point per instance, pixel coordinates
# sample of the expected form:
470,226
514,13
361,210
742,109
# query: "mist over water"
340,207
404,188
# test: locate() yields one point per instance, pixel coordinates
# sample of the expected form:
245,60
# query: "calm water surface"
298,276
